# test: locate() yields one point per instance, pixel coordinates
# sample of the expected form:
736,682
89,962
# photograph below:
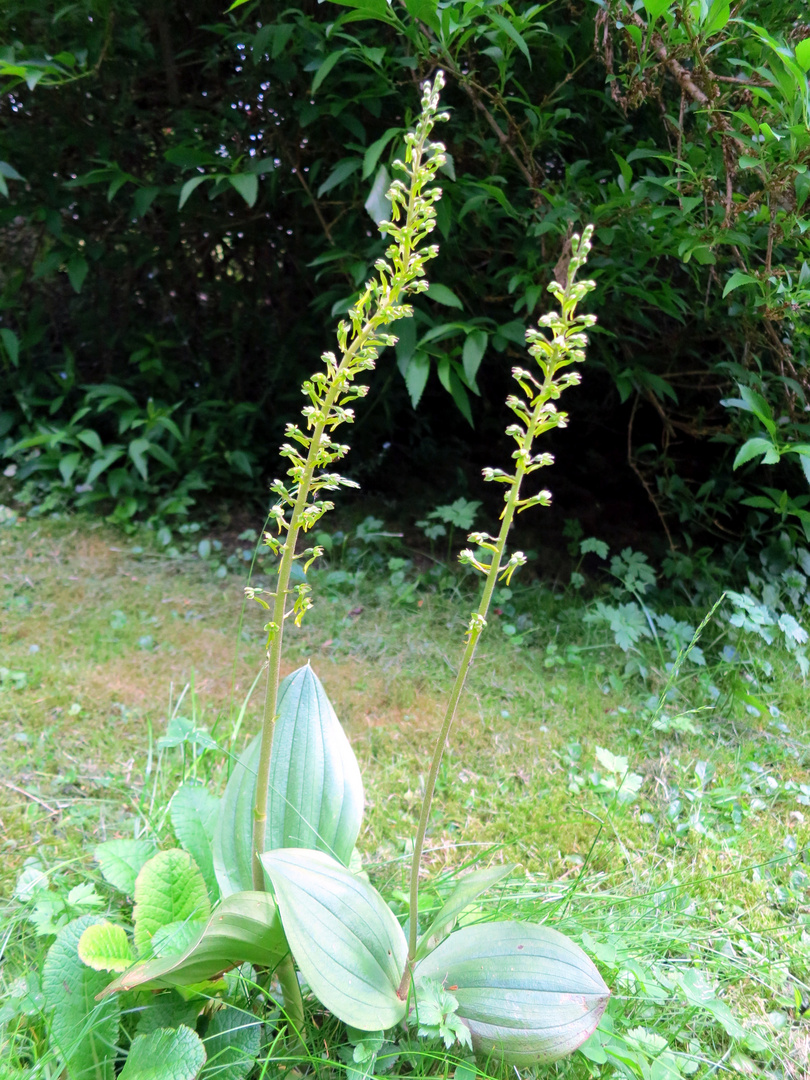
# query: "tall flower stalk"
311,448
536,414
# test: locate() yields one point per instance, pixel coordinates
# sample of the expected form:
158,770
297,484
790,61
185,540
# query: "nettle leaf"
231,1044
169,1010
82,1032
343,936
165,1054
245,928
121,862
169,889
468,889
194,813
315,788
527,993
105,947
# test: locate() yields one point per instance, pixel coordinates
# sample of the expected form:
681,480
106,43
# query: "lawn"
671,843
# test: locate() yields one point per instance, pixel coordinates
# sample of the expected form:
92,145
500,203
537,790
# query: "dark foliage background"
188,201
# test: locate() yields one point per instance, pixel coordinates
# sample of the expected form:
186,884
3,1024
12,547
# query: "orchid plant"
269,875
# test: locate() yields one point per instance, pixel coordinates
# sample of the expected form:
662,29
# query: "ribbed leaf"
82,1032
462,896
245,928
527,993
165,1054
315,789
170,888
343,936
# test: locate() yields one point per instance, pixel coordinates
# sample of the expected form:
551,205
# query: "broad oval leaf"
343,936
82,1033
245,928
315,791
527,993
165,1054
169,889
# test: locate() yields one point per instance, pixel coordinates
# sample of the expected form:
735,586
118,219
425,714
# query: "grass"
701,869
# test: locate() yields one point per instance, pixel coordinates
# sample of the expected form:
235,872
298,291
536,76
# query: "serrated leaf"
169,888
343,936
590,545
527,993
194,813
165,1054
614,763
105,947
468,889
737,279
168,1010
82,1032
315,791
245,928
121,861
756,447
231,1044
175,938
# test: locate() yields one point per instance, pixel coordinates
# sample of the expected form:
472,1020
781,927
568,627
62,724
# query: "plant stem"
389,298
477,625
293,1004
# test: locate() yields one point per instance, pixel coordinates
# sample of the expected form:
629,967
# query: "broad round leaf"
165,1054
170,888
315,792
105,947
82,1032
344,937
527,993
245,928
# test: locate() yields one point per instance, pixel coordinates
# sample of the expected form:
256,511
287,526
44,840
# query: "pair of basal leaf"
527,993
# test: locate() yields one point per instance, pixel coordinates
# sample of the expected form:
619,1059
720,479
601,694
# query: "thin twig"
34,798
